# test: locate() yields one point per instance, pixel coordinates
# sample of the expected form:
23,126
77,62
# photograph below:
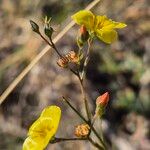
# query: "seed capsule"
82,130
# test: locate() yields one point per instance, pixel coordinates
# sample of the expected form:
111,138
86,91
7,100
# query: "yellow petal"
107,36
109,24
54,113
51,111
84,17
43,129
30,144
102,22
119,25
40,133
99,22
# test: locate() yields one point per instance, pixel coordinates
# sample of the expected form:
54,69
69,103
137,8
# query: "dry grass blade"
39,56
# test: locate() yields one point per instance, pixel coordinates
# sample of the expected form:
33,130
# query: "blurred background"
121,68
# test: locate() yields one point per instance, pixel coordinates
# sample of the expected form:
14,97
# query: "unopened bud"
48,31
84,33
83,36
101,103
82,130
83,30
34,26
103,99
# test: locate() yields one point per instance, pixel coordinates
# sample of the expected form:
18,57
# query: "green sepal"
34,26
48,31
100,110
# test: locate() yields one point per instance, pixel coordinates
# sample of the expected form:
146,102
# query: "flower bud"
82,130
83,30
48,31
34,26
103,99
101,103
83,36
84,33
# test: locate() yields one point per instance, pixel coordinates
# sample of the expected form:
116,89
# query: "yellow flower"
101,26
43,129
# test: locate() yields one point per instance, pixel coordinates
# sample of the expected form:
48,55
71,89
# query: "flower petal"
99,22
102,22
43,129
40,133
108,36
30,144
54,113
119,25
41,126
84,17
109,24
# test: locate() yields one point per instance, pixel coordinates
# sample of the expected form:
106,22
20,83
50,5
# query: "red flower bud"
83,30
83,36
103,99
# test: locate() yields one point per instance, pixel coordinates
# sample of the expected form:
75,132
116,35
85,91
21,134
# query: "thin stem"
85,99
76,111
80,115
45,39
86,59
54,47
51,44
81,81
56,140
74,72
95,144
95,132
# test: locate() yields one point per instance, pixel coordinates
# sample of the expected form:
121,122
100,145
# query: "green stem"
81,81
95,144
54,47
45,39
86,59
56,140
85,100
51,44
74,109
100,139
92,128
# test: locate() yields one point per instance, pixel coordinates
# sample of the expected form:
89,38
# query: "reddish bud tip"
103,99
83,30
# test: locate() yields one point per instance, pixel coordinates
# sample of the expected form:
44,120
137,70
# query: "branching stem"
51,44
103,147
